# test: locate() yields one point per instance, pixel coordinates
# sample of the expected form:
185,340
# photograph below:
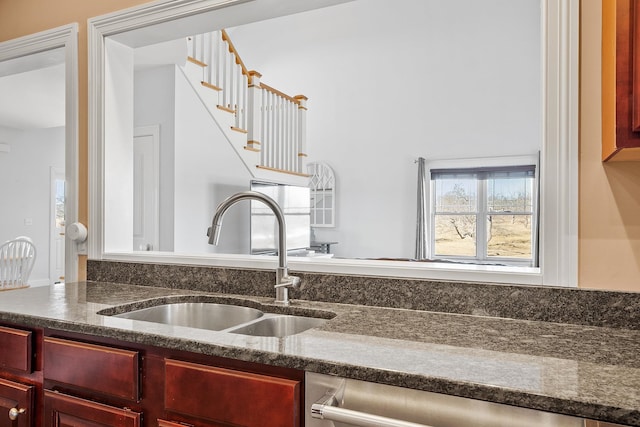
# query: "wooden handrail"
250,74
277,92
233,50
283,171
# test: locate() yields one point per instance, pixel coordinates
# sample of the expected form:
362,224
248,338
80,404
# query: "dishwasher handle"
327,409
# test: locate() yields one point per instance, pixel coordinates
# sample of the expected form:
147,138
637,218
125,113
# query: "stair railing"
275,122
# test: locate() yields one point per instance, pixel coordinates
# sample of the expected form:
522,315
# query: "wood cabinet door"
18,396
620,80
15,349
61,410
106,370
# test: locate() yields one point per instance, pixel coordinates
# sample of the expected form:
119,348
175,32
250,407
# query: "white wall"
118,147
199,168
25,190
207,171
389,82
154,100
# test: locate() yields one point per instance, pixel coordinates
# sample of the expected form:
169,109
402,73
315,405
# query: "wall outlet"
28,221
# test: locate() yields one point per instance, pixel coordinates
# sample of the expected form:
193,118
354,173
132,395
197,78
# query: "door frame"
154,132
559,154
55,174
65,37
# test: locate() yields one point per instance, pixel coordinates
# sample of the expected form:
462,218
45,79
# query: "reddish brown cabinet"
61,410
16,404
231,397
620,80
20,377
15,349
102,369
91,382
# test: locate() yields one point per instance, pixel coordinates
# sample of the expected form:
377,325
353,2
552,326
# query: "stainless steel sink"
236,319
203,315
278,326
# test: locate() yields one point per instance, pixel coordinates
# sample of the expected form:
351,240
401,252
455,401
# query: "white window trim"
474,163
321,171
559,155
65,37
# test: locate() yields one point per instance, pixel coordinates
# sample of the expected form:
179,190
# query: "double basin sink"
224,317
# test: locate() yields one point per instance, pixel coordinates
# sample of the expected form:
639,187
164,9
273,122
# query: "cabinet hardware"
14,413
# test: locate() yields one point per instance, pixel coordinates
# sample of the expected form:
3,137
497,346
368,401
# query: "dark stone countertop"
587,371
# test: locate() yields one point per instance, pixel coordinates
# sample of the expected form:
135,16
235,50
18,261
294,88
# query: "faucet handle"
289,282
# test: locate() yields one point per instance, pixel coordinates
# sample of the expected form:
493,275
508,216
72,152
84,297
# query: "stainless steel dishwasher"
338,402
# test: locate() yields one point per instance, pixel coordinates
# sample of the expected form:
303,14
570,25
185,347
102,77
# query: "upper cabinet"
620,80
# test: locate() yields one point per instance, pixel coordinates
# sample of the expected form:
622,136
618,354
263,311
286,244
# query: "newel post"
254,121
302,132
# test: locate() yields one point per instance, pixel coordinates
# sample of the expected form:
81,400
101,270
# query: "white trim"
478,162
154,132
38,283
559,179
54,174
559,155
65,37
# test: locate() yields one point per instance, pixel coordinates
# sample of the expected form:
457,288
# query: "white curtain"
422,228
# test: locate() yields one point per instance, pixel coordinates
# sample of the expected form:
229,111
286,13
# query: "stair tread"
227,109
195,61
237,129
211,86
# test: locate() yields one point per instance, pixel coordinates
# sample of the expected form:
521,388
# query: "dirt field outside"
509,236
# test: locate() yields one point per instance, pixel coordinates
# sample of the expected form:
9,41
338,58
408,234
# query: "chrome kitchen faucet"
283,280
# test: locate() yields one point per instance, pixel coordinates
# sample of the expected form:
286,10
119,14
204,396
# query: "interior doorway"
29,58
146,185
56,241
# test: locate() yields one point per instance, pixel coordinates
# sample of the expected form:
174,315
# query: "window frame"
482,212
559,154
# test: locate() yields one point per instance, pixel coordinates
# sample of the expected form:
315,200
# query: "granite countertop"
587,371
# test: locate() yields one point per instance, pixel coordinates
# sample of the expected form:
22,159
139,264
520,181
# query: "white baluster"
302,129
280,132
288,139
274,132
268,141
263,120
208,56
293,153
218,43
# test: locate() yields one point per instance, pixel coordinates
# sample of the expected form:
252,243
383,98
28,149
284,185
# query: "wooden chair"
17,258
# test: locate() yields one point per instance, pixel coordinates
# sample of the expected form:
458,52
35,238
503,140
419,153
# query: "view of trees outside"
60,203
507,211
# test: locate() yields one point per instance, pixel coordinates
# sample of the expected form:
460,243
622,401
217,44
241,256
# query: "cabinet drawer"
98,368
61,410
229,396
15,349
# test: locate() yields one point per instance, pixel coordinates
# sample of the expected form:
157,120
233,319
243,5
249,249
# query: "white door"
56,239
146,215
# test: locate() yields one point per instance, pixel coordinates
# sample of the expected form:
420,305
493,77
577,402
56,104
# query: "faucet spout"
283,280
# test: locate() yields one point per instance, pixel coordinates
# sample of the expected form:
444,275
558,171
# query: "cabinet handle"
15,412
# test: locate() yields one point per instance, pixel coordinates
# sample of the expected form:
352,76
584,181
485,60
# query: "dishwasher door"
338,402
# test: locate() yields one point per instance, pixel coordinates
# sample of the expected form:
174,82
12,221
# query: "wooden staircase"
266,127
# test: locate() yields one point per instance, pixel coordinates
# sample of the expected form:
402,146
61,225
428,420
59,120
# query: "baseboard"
38,282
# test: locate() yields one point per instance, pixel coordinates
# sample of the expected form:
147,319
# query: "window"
485,214
322,182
